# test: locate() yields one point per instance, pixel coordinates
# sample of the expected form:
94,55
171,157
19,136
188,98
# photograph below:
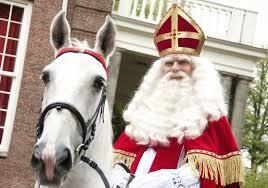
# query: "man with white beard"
177,133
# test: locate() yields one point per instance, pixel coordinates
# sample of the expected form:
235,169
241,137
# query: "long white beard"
162,108
166,113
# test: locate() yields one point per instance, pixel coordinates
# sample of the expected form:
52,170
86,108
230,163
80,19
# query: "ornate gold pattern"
180,35
174,35
223,169
214,154
122,156
179,50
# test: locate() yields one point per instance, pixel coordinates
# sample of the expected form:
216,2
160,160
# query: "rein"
84,124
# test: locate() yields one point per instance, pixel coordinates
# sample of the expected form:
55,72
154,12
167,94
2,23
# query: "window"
14,28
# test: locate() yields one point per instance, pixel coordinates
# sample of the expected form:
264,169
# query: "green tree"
117,120
257,180
255,135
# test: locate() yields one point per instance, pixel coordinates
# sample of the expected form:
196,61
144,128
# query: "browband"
86,51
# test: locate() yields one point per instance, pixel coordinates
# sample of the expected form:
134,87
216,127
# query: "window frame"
17,74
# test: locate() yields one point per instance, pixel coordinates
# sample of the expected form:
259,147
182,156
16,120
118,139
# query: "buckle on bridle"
79,149
59,108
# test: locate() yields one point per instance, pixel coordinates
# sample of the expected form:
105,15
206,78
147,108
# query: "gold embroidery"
122,156
213,154
223,169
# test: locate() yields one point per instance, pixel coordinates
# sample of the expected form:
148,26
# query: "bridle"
91,123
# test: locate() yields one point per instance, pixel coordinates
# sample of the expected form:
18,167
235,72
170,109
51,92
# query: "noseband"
91,123
84,125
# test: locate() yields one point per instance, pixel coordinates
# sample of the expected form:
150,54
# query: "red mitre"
177,32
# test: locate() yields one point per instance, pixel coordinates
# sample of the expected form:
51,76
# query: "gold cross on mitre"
177,32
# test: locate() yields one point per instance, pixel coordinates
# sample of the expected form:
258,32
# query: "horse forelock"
81,45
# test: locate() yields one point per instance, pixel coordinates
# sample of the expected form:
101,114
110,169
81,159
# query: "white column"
151,13
135,6
114,68
124,7
142,14
227,79
240,99
160,10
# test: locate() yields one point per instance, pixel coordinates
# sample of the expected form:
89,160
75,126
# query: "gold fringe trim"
121,156
226,168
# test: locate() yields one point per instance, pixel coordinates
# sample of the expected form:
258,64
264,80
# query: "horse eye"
98,82
45,77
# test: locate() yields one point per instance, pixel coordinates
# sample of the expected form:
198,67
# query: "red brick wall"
85,18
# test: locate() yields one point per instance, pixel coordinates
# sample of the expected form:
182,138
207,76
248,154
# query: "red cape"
215,153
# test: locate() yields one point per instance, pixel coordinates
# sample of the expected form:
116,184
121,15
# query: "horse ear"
60,31
105,42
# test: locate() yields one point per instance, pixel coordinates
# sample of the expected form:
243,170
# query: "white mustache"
171,75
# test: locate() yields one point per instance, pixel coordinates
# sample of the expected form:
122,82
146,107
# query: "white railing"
216,20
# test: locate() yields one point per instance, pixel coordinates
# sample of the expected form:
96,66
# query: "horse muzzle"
51,164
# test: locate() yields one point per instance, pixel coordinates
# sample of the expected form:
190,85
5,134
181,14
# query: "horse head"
75,80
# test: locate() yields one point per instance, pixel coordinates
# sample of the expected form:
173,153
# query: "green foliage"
255,133
116,3
117,120
256,180
256,122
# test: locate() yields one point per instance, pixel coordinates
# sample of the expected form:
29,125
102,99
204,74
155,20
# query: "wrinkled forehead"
177,57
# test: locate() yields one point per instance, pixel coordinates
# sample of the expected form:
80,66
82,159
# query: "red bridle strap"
86,51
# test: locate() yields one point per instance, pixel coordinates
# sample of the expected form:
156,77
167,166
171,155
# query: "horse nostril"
36,161
64,159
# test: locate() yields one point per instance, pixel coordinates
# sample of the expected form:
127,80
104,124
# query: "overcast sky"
260,6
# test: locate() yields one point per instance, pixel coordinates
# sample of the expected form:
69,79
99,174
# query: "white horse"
77,79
